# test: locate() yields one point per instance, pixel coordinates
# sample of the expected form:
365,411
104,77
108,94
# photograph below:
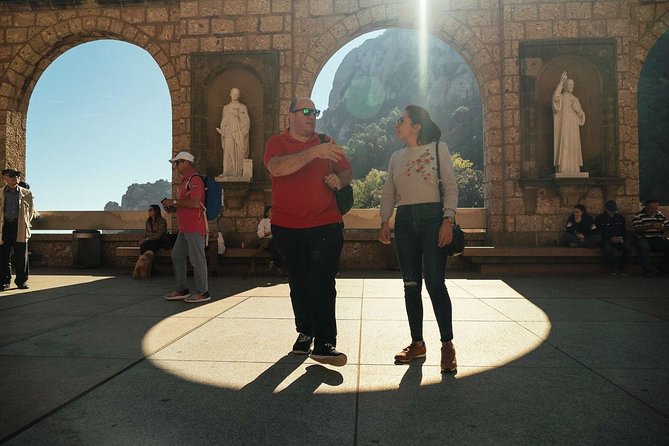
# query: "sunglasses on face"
176,163
11,175
307,111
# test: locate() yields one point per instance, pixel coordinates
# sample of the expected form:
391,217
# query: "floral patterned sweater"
412,179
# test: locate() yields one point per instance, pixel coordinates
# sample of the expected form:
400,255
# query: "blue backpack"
213,196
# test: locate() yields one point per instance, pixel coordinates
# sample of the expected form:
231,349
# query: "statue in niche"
568,116
234,130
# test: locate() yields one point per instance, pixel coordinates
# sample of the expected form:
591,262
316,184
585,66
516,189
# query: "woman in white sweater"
423,226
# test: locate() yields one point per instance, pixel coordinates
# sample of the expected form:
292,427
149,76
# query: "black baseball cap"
11,172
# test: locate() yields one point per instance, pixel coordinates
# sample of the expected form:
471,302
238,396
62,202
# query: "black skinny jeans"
311,258
416,236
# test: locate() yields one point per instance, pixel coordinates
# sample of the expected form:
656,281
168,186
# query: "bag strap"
439,183
323,139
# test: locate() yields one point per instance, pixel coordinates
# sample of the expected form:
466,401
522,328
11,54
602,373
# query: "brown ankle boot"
448,362
414,351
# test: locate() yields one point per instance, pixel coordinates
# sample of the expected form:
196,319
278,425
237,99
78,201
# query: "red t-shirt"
191,219
302,199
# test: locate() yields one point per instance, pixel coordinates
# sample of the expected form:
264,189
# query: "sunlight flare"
422,47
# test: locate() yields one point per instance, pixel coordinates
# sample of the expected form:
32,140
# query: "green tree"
470,182
372,144
367,191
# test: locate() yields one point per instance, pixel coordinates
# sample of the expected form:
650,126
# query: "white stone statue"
234,130
568,116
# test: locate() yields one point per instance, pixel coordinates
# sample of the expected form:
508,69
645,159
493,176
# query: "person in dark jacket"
613,230
580,230
156,228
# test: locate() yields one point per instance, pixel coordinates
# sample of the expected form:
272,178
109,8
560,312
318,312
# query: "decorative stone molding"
570,190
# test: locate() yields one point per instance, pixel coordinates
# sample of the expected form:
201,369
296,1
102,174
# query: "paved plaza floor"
92,357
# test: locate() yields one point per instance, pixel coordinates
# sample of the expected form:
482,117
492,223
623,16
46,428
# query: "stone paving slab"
105,337
251,340
513,406
281,308
540,362
183,402
585,310
610,344
34,386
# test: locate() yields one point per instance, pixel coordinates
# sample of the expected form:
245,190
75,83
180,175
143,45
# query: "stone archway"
640,51
41,50
445,27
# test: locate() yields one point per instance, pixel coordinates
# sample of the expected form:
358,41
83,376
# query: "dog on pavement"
143,266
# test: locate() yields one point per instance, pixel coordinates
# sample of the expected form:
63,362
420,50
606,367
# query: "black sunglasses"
12,175
308,111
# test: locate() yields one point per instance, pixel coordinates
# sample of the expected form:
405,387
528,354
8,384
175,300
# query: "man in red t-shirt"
307,226
192,221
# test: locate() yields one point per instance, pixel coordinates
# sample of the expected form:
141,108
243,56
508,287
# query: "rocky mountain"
385,72
138,197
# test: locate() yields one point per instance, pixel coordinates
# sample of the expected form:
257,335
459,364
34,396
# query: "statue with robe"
568,116
234,131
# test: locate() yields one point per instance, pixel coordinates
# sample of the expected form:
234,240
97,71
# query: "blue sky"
100,119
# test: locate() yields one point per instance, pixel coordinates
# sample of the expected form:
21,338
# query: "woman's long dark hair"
429,131
156,210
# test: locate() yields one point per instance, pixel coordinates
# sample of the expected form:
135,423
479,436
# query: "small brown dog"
143,266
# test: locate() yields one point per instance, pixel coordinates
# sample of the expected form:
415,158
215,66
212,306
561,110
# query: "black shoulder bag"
457,245
344,196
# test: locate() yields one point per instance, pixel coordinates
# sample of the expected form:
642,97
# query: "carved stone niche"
213,75
570,190
591,63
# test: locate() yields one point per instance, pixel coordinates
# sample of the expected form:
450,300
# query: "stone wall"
305,33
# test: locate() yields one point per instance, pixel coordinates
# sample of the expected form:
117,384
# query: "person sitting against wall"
580,230
265,240
156,228
613,230
651,227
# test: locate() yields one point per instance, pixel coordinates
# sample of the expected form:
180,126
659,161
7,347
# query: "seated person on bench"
266,242
156,228
580,230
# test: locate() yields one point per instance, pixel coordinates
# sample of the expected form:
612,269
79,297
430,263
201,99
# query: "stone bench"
249,255
540,259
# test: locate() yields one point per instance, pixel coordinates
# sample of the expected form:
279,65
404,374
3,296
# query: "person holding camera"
192,221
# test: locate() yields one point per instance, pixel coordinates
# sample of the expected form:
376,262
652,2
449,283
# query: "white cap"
183,155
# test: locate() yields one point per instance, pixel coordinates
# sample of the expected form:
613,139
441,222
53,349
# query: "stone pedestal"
569,189
571,175
235,190
247,168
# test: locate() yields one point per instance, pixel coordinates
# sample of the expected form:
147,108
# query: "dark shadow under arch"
653,106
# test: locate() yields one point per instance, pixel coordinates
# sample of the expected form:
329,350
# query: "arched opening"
99,129
373,83
653,106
